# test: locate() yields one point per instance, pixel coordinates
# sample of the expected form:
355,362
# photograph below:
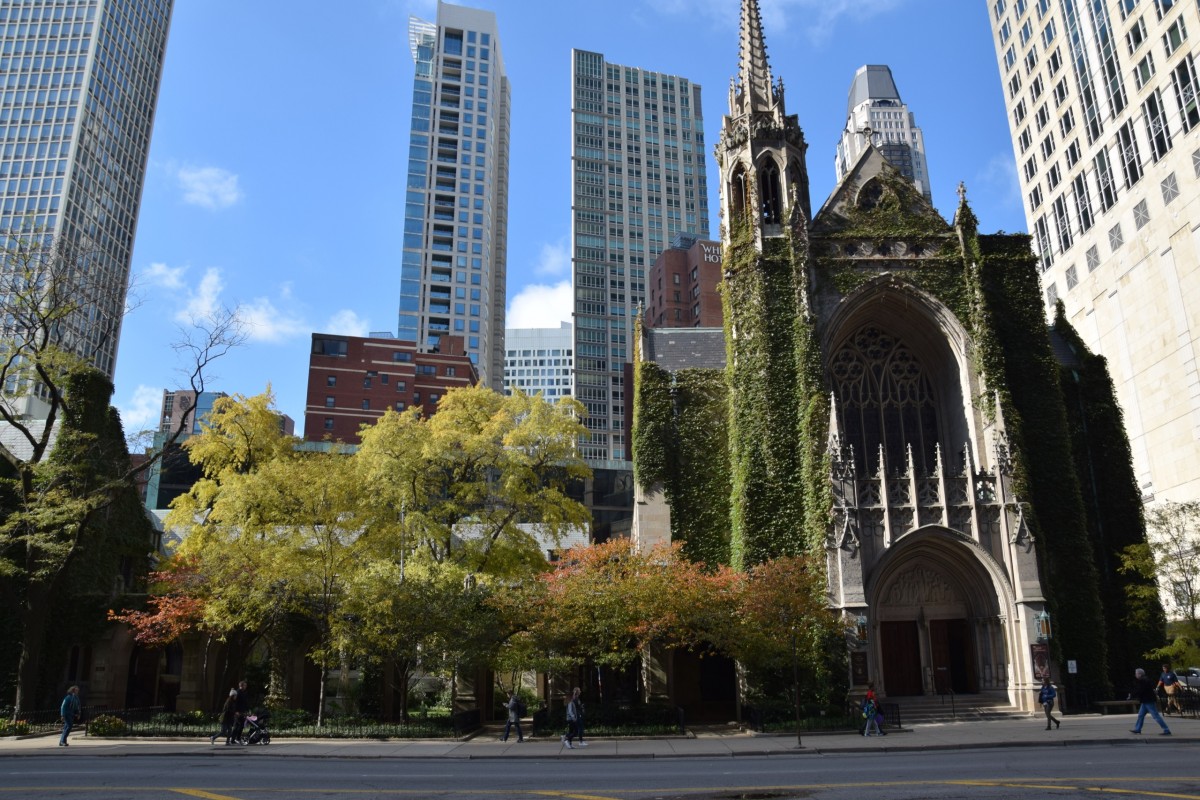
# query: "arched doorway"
935,607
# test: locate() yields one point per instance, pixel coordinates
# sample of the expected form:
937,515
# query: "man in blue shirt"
1168,681
69,711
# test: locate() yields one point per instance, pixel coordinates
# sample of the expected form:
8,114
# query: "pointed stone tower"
761,151
772,363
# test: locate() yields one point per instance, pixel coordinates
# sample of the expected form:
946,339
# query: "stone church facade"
896,402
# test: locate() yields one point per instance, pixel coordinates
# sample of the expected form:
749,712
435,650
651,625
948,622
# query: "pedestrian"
572,720
240,709
1046,697
1169,682
1145,693
228,713
69,713
872,714
579,715
516,710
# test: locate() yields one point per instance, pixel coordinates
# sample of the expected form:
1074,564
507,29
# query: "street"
1162,769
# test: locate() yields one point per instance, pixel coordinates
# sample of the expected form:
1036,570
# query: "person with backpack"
516,710
872,712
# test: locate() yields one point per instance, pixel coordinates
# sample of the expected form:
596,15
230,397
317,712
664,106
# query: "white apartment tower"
1102,104
539,360
875,113
637,180
80,85
452,279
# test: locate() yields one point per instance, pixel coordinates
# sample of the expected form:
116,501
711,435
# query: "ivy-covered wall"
763,329
1111,499
1013,349
680,441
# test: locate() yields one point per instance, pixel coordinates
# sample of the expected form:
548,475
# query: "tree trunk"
321,697
32,618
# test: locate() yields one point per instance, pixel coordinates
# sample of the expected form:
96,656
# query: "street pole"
796,686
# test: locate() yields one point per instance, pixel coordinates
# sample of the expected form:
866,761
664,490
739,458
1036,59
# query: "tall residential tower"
638,180
80,86
1102,105
452,280
875,111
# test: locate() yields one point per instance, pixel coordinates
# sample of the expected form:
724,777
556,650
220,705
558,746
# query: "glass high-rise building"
637,180
1103,102
80,86
452,279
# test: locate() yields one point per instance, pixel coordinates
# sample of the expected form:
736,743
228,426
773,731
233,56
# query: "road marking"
1069,787
574,796
203,794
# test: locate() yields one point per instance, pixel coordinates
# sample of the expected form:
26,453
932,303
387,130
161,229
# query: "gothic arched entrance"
936,614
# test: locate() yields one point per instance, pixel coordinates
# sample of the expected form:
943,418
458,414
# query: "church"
894,403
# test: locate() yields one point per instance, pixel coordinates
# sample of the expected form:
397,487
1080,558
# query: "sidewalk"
1085,729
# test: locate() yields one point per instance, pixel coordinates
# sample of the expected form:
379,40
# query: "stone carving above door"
920,586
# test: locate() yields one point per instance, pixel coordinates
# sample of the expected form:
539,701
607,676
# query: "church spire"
754,73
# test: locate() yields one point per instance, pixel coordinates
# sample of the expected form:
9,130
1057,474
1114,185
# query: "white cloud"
160,274
140,412
266,323
554,259
999,176
202,302
209,187
347,323
540,306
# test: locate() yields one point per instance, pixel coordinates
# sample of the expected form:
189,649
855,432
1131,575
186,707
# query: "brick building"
352,380
683,285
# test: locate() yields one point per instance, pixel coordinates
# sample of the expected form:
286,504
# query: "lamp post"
796,685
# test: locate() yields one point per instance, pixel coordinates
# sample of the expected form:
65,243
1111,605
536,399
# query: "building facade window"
1093,258
1170,189
1115,238
1141,215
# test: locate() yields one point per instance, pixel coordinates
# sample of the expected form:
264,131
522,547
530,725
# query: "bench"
1117,706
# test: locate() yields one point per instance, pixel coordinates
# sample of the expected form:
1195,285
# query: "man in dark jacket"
241,709
1144,692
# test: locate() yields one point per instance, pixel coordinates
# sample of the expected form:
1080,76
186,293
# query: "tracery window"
772,205
885,398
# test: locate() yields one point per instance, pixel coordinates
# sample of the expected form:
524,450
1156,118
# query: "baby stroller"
256,731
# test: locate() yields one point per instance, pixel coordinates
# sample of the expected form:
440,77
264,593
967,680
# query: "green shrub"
18,728
106,725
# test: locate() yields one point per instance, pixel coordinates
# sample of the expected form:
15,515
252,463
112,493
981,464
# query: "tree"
1170,563
466,484
224,534
53,324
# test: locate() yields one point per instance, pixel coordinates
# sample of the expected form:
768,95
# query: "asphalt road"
1164,771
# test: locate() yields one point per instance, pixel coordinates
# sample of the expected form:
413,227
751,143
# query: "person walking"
1046,697
228,712
240,709
69,713
572,720
516,709
1145,692
1168,681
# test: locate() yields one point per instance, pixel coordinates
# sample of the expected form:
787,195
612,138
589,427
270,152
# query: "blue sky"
276,171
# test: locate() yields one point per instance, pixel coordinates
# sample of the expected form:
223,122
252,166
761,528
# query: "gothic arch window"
739,188
870,195
885,397
772,194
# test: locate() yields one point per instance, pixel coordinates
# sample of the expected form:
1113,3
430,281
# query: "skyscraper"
452,280
875,111
81,80
1102,105
539,360
638,179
